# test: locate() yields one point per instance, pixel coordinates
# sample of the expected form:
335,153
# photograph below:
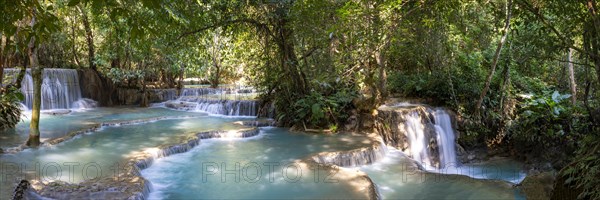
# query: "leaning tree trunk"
496,57
36,72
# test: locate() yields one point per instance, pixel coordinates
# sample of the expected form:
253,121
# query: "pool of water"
101,153
256,168
53,126
398,177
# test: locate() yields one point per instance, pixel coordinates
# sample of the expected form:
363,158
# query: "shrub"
544,119
10,108
319,110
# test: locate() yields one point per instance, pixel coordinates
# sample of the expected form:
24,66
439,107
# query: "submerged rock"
358,182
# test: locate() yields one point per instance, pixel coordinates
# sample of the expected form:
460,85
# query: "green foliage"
125,77
585,168
435,87
320,110
545,119
10,108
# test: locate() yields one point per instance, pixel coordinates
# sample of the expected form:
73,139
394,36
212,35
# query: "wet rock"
180,105
357,157
21,190
1,150
257,123
57,112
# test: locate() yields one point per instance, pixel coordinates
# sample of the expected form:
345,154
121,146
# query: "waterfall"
218,101
429,135
60,89
227,107
415,131
445,138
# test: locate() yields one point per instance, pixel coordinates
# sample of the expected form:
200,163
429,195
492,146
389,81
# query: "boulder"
538,185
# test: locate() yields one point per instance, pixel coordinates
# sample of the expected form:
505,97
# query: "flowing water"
217,101
445,138
60,88
418,142
504,169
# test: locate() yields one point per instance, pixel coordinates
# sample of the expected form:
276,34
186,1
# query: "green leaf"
317,113
556,96
20,96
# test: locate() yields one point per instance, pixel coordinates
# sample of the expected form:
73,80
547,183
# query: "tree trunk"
180,81
5,52
214,83
495,60
506,84
572,78
144,100
289,59
381,85
216,59
1,58
89,37
36,73
74,43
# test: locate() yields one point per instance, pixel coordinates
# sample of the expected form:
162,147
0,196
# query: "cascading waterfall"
445,138
219,101
419,141
198,92
415,131
60,89
227,107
